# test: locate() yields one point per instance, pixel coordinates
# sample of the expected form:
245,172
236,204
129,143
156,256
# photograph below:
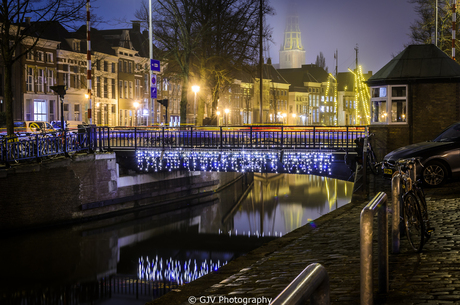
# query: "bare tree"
423,30
18,36
321,61
205,39
230,42
177,34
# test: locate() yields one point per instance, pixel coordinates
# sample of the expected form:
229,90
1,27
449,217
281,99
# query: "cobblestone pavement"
431,277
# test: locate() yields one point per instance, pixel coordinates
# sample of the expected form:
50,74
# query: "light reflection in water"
279,204
276,205
180,272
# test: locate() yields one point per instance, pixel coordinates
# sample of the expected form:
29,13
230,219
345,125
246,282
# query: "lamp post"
226,116
284,116
218,113
136,104
293,118
195,89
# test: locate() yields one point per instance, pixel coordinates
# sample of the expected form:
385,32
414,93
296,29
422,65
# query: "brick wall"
432,108
56,191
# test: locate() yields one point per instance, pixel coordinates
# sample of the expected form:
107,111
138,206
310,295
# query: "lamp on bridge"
195,89
226,116
136,105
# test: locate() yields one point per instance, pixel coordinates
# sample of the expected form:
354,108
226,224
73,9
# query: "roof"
307,73
269,72
418,63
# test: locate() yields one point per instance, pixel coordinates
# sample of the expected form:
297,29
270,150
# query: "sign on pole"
153,86
155,65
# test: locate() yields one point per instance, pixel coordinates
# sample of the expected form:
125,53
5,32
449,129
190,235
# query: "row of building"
307,95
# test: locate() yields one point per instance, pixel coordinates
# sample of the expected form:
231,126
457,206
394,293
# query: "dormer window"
76,46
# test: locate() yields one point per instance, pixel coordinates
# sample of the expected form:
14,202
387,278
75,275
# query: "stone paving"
431,277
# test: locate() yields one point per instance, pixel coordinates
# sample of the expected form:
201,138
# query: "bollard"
395,195
378,204
312,282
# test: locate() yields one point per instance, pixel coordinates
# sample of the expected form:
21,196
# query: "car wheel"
434,173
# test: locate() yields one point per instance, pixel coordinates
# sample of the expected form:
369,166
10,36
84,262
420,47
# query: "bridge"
277,149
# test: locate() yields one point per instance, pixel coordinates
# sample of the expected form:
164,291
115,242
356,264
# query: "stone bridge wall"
67,190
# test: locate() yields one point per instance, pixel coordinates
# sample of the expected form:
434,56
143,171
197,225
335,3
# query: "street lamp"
293,117
284,116
136,104
195,89
218,113
226,116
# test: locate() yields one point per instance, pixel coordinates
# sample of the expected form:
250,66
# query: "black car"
440,157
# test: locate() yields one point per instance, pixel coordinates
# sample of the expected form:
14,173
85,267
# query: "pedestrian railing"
242,138
376,205
238,137
312,283
21,147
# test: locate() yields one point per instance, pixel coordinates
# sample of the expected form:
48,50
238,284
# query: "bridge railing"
251,137
38,146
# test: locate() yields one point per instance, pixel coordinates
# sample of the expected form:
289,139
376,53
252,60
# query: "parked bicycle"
414,210
371,159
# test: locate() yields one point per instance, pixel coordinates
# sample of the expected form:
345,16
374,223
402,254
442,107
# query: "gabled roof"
307,73
418,63
269,72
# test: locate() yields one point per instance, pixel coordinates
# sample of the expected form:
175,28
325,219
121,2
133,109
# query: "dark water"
136,257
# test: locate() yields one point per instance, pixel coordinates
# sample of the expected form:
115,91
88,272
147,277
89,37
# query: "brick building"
413,97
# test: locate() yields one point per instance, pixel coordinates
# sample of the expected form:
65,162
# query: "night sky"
379,28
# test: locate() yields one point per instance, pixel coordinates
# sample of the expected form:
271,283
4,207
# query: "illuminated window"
389,104
40,110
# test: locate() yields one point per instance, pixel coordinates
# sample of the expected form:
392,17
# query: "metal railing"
252,137
312,283
38,146
378,204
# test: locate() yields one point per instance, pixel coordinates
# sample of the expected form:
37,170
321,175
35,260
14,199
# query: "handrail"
378,204
312,282
254,138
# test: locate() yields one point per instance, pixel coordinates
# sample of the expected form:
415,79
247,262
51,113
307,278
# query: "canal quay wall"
93,186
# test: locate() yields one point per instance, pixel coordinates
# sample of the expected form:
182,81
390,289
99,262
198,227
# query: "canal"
134,258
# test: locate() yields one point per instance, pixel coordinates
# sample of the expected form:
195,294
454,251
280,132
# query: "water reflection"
160,247
281,203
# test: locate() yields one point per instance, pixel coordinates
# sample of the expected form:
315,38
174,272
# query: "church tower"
292,53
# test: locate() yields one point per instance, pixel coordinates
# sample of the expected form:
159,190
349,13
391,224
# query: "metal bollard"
395,220
378,204
312,282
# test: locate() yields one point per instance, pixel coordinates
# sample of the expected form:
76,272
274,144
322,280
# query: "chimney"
28,20
136,25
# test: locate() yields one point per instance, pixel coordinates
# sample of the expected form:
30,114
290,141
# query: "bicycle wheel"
424,211
372,161
413,221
